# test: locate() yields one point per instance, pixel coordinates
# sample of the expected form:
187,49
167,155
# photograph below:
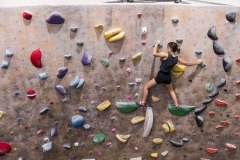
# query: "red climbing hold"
212,150
212,114
27,15
230,147
237,116
4,148
41,132
31,94
238,60
204,159
220,127
238,82
224,123
36,58
237,96
220,103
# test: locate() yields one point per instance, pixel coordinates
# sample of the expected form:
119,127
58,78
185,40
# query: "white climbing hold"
137,158
47,146
8,53
138,80
144,31
164,154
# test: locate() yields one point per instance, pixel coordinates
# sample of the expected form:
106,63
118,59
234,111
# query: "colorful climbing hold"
123,138
231,16
224,123
220,103
212,114
199,120
209,87
117,37
86,59
181,111
212,150
105,62
41,132
201,65
61,72
220,127
171,126
77,82
99,27
114,34
137,119
36,58
139,15
31,94
230,147
166,128
237,96
54,132
137,56
99,138
218,49
27,15
127,107
1,114
212,33
4,148
227,64
104,105
60,90
154,155
157,140
77,121
55,18
155,99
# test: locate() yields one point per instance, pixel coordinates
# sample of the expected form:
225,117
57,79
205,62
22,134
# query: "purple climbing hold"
86,59
227,64
54,132
55,18
82,109
212,33
62,72
218,49
231,16
60,90
221,83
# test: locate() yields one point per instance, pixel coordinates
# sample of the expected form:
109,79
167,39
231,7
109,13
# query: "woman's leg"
172,93
146,87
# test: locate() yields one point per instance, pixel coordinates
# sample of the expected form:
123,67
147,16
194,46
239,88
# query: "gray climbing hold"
208,87
62,71
66,146
179,40
176,144
207,101
131,84
21,158
65,99
231,16
86,126
82,109
43,76
74,28
185,139
122,60
5,64
77,82
198,52
44,111
212,33
67,56
80,44
215,92
8,53
54,132
60,90
175,20
218,49
55,18
47,146
200,110
221,83
138,80
227,64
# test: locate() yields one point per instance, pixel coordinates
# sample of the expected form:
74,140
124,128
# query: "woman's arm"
187,63
156,52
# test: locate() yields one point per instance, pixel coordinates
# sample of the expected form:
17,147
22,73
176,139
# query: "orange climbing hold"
220,127
212,150
220,103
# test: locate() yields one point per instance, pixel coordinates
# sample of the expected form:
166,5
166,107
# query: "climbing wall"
26,129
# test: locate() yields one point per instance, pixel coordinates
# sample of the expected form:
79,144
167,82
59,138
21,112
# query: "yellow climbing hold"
137,56
179,68
99,27
104,105
123,138
171,126
112,32
155,99
157,140
1,114
137,119
117,37
154,155
165,128
176,74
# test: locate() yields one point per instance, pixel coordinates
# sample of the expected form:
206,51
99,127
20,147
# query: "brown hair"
174,47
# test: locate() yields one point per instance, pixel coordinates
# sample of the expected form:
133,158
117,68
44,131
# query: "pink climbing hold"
31,94
130,96
237,116
113,130
238,60
4,148
36,58
27,15
143,41
129,70
224,123
230,147
237,96
220,127
99,153
139,15
238,82
41,132
212,114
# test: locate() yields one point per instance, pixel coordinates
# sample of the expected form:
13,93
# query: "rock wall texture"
21,120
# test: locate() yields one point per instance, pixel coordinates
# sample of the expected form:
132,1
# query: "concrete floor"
9,3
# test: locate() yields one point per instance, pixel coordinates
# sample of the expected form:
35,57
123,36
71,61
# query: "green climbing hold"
201,65
105,62
127,107
99,138
181,111
209,87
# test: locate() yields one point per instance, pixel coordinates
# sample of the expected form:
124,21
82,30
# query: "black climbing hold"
199,121
82,109
207,101
227,64
190,80
55,18
175,20
231,16
198,52
200,110
218,49
66,146
212,33
80,44
74,29
221,83
179,40
225,89
215,92
185,140
176,144
44,111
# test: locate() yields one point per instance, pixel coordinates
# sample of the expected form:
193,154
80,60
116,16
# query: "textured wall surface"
55,41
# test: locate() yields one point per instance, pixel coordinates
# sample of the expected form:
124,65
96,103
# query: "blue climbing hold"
77,121
55,18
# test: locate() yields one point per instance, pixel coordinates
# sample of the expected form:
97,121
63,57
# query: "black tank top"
167,64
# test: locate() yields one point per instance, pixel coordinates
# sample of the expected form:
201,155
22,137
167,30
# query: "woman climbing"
168,60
